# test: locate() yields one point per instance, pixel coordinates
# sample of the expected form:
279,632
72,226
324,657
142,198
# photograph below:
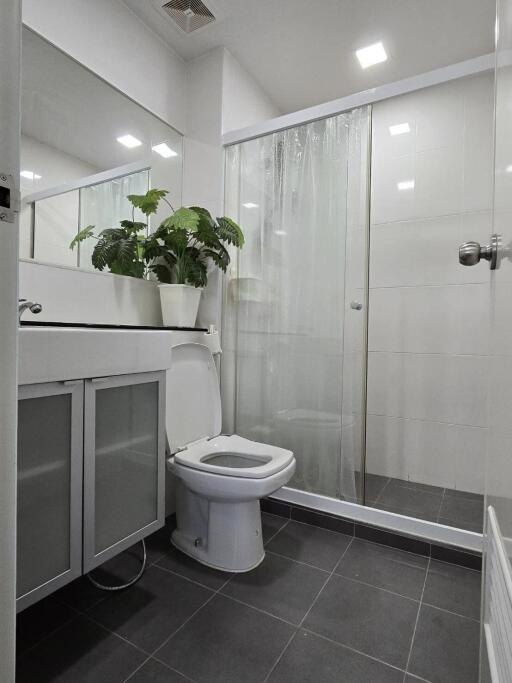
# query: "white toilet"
219,479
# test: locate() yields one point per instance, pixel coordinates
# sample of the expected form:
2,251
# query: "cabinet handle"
71,382
99,380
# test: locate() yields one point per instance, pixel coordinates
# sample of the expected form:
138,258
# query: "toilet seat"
234,456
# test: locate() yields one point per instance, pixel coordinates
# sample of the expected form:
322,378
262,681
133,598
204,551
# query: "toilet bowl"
219,479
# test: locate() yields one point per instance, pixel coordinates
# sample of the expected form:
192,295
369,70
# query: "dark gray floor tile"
411,502
383,567
158,543
368,619
453,588
80,652
279,586
462,511
445,647
453,493
374,485
182,564
310,544
226,642
395,483
152,609
81,594
156,672
37,621
270,525
311,658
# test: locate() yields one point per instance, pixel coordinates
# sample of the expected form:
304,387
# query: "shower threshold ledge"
431,532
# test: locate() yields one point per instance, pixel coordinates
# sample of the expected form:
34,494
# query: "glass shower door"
294,363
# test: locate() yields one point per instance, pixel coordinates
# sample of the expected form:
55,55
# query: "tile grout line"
325,583
353,649
297,628
441,506
416,622
276,663
277,532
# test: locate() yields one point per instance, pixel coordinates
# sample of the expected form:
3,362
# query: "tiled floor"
322,607
460,509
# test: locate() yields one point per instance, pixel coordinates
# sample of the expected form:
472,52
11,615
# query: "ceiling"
302,52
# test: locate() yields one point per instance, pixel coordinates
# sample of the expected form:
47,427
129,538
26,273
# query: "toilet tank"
193,406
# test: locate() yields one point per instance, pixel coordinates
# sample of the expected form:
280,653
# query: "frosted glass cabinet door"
124,463
49,507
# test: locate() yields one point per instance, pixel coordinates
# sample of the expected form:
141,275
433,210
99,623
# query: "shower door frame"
431,531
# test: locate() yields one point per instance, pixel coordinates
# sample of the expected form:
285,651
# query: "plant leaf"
82,235
147,203
163,272
230,232
182,219
132,226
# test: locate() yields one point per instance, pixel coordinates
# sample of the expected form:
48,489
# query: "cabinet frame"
90,558
75,388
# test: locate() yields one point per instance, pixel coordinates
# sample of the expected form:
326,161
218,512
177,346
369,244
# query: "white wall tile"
439,388
451,319
415,253
429,316
470,458
414,450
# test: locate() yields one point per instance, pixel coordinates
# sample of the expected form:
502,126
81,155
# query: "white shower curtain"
104,205
298,195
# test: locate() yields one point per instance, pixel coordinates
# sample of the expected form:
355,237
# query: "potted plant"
178,253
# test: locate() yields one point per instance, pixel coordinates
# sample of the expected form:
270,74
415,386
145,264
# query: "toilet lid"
193,408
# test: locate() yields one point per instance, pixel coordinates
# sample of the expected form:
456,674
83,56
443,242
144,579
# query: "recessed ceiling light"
405,185
280,232
30,175
399,129
373,54
250,205
164,150
129,141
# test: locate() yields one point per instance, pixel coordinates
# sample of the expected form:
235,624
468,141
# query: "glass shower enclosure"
296,298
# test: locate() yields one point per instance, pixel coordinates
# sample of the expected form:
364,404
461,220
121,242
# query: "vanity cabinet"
91,475
124,463
49,519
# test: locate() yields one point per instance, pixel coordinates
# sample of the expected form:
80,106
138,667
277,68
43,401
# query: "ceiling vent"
189,15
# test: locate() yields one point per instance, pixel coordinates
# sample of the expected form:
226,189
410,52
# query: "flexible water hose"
124,585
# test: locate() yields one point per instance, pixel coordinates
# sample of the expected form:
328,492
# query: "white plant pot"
180,304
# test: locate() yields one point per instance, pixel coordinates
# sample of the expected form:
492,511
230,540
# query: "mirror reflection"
84,148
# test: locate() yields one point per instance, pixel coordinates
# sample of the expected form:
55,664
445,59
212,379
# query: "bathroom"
254,352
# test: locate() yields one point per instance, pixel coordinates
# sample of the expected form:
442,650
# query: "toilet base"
223,535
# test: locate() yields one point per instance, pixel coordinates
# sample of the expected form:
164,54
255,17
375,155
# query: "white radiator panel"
498,604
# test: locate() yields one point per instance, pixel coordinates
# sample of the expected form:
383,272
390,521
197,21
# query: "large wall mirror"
84,147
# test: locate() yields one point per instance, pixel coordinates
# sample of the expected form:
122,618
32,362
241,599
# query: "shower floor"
459,509
323,607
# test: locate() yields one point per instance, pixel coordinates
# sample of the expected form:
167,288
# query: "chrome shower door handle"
471,253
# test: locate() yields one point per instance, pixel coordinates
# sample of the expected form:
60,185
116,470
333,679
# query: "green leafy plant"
179,250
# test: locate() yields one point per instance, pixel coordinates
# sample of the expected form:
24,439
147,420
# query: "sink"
48,354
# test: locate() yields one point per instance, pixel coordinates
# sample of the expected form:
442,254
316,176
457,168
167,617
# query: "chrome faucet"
33,307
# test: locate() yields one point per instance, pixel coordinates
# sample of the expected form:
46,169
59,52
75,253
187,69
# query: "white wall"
106,37
428,336
243,100
220,93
